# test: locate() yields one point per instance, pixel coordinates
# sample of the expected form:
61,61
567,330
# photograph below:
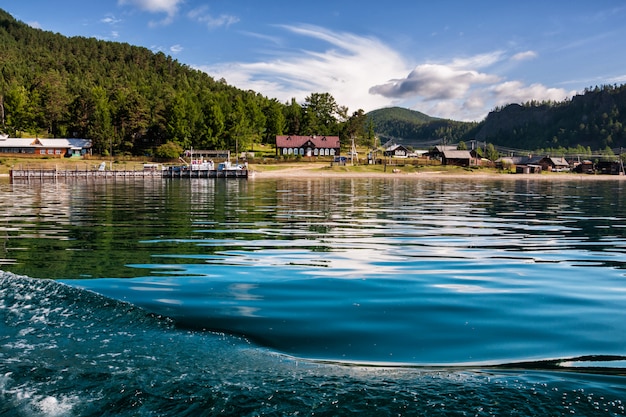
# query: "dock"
60,175
204,173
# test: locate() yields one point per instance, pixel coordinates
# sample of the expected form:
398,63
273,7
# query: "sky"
453,59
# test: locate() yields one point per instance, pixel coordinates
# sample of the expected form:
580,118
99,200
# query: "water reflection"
414,270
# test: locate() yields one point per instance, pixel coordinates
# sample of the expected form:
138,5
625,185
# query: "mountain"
131,101
413,128
594,119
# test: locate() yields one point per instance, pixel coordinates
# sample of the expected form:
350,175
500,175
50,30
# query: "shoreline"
305,172
317,171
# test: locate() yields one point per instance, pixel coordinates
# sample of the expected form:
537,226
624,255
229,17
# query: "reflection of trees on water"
100,228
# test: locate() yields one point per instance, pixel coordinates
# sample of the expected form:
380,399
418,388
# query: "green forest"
595,119
591,121
131,101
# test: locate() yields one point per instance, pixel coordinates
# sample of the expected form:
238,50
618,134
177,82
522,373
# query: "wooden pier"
60,175
204,173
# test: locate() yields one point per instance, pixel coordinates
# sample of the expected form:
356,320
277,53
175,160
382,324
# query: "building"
554,164
57,148
307,145
457,158
397,151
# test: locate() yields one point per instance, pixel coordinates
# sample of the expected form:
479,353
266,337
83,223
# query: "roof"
394,147
444,148
457,154
283,141
557,161
70,143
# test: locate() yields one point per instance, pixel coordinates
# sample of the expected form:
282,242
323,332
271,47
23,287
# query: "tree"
275,121
100,127
293,118
491,153
320,114
354,127
168,150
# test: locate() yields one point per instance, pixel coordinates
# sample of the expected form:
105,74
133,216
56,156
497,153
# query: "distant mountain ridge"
595,119
414,128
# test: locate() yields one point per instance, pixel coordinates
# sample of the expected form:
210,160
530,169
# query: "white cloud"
459,91
364,73
154,6
517,92
175,49
346,69
34,25
434,82
202,15
169,7
110,20
524,56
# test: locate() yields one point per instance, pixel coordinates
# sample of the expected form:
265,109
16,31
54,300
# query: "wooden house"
57,148
307,145
397,151
457,158
554,164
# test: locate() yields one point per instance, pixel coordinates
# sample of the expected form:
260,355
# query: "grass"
134,164
8,162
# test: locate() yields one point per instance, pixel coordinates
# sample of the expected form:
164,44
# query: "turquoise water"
324,296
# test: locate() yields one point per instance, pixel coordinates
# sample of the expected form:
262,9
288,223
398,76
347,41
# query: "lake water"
400,296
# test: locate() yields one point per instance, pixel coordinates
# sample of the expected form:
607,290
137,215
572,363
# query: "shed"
457,158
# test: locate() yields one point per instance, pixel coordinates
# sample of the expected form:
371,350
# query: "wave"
66,351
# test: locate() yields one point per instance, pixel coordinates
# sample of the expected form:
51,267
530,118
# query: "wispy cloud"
345,69
34,24
363,72
176,49
110,20
202,15
524,56
464,89
169,7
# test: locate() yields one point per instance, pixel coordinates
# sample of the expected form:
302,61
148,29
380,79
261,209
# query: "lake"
325,296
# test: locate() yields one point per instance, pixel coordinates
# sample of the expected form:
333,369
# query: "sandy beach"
306,171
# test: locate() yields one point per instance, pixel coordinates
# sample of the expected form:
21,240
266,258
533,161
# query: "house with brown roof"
307,145
554,164
455,157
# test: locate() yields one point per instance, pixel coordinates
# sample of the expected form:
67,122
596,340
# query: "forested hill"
595,119
411,127
129,100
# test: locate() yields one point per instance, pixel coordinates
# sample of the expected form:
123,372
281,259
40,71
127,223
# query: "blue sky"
445,58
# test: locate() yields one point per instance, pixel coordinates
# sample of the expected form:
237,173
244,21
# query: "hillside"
130,100
595,119
417,129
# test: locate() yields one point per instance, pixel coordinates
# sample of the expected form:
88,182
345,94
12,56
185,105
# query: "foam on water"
70,352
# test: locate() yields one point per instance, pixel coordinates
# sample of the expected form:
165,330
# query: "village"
319,149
